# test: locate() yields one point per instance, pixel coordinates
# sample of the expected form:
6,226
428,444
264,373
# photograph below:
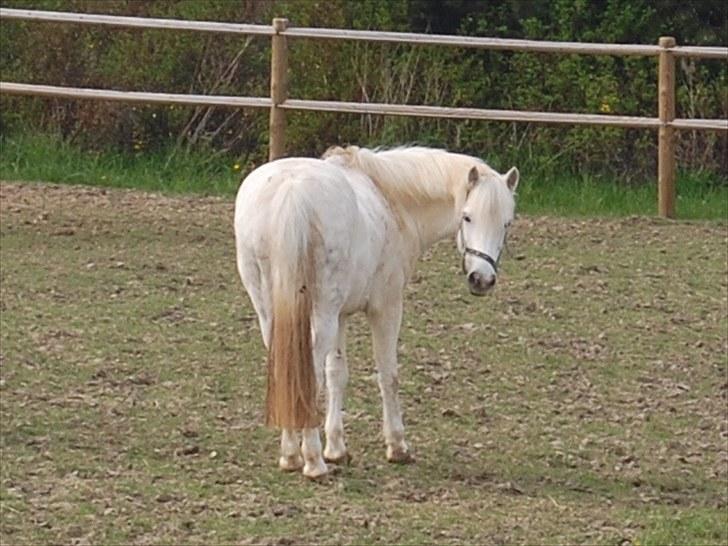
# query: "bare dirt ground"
585,401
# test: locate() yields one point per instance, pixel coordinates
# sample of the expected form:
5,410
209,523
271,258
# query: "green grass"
695,526
50,159
698,197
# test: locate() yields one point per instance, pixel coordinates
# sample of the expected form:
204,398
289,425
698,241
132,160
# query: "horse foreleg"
385,325
337,375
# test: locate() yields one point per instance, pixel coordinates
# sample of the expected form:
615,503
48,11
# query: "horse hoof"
338,459
315,472
399,456
291,463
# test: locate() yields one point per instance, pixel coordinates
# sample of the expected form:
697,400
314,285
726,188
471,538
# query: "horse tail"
291,401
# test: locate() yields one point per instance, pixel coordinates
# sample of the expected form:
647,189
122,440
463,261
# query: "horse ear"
512,177
473,177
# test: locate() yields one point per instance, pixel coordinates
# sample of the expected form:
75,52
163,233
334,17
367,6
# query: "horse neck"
428,223
424,217
424,223
429,220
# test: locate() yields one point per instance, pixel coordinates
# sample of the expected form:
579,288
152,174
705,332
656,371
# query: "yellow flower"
236,167
605,107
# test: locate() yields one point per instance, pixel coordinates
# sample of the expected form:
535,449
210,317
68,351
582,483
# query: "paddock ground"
584,401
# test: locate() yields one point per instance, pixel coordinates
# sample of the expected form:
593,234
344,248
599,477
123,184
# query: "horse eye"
466,218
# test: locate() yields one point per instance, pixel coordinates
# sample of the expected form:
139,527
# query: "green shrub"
185,62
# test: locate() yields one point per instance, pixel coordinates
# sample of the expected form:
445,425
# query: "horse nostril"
474,278
489,282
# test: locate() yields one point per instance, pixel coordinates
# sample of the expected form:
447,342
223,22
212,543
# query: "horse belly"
365,263
359,290
348,259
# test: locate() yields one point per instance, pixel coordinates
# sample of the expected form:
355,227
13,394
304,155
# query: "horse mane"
411,175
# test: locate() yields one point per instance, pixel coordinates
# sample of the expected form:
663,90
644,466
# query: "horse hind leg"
337,375
256,286
324,342
291,458
259,292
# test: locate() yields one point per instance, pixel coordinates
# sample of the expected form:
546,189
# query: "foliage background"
181,62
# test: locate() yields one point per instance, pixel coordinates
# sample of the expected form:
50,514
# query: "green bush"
184,62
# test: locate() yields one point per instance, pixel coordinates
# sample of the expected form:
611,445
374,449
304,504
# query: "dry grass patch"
583,402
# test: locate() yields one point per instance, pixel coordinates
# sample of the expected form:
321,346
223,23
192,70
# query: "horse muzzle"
480,283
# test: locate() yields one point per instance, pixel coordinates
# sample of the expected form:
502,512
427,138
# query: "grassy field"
583,402
553,192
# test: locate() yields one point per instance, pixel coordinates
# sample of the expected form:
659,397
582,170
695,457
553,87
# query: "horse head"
488,212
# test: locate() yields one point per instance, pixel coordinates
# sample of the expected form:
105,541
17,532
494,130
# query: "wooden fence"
666,51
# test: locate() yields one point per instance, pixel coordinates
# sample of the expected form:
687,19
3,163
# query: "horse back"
349,224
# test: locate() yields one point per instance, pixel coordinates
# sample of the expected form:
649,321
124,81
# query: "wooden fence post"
666,133
278,90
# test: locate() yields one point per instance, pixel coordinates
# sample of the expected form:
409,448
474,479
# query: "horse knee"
388,381
337,371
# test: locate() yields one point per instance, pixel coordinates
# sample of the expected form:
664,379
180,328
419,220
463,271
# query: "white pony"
319,239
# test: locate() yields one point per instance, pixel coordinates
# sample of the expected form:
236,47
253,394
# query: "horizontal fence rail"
278,103
133,96
366,35
358,107
700,124
135,22
468,113
474,42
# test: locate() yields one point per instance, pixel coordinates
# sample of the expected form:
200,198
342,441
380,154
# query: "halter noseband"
482,255
477,253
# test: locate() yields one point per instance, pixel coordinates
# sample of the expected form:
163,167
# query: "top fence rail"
366,35
134,22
